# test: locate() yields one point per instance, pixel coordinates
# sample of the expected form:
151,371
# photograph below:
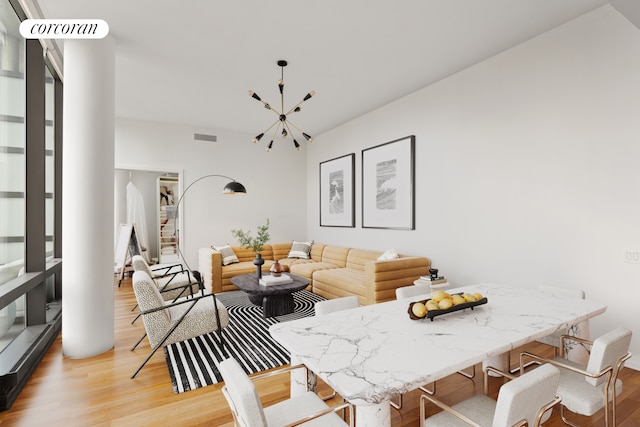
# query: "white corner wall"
527,168
275,181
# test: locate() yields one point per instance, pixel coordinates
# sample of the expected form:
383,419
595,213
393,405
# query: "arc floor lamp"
232,187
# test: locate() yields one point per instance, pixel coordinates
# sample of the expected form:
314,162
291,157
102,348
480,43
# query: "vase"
258,262
276,269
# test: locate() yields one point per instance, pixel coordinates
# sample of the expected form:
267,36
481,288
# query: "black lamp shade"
234,187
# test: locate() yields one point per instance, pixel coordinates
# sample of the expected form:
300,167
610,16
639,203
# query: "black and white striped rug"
194,363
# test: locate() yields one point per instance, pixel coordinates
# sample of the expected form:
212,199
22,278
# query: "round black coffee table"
275,300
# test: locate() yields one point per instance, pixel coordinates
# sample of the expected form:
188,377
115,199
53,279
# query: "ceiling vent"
203,137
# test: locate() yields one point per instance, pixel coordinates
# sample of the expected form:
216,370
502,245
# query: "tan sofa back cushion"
335,255
245,254
316,251
357,258
280,250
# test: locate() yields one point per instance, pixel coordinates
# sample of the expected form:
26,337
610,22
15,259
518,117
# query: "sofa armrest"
210,267
385,276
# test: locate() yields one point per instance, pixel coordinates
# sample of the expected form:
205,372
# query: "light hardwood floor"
97,391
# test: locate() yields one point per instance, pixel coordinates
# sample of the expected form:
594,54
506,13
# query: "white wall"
527,167
275,181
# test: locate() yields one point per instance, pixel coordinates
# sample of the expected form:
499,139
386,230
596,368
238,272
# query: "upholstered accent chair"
173,282
521,401
244,401
170,322
586,390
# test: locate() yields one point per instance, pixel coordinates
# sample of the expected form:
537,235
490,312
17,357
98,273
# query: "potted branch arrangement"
255,243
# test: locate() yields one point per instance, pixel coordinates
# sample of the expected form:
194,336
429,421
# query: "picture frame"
388,185
337,192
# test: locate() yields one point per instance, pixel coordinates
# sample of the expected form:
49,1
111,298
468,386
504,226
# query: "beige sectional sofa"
333,271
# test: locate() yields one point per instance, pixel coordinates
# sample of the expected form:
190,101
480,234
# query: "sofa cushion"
300,250
244,267
306,269
288,262
280,250
316,251
388,254
336,255
228,255
339,282
247,254
357,258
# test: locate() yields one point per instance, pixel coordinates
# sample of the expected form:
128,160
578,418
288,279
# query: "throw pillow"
228,256
388,254
300,250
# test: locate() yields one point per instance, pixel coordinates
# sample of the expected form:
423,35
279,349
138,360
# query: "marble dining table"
374,353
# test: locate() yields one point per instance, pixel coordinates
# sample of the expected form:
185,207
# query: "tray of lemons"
442,302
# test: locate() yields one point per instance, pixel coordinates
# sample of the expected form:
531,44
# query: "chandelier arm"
275,132
270,145
270,127
285,124
267,105
293,109
306,98
270,108
281,87
294,126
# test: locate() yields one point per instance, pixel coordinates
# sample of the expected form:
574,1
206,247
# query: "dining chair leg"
467,375
395,405
329,397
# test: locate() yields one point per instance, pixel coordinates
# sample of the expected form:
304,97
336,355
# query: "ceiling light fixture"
282,123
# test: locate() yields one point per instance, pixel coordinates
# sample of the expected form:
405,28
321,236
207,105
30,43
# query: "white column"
87,209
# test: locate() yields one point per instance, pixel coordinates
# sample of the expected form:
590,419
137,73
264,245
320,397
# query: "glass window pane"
49,171
12,167
12,172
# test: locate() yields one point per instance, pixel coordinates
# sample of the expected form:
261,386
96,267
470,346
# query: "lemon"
438,295
445,303
468,297
419,309
432,305
477,296
457,299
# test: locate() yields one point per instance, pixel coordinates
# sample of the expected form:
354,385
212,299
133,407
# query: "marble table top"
373,353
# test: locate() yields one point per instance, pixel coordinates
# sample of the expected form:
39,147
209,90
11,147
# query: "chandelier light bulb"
254,95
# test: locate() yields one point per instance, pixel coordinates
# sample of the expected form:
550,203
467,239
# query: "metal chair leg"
471,375
395,405
139,341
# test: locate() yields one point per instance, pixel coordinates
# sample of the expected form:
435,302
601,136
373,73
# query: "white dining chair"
336,304
585,389
521,401
244,401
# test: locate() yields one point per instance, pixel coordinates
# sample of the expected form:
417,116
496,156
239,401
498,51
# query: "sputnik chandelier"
282,123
